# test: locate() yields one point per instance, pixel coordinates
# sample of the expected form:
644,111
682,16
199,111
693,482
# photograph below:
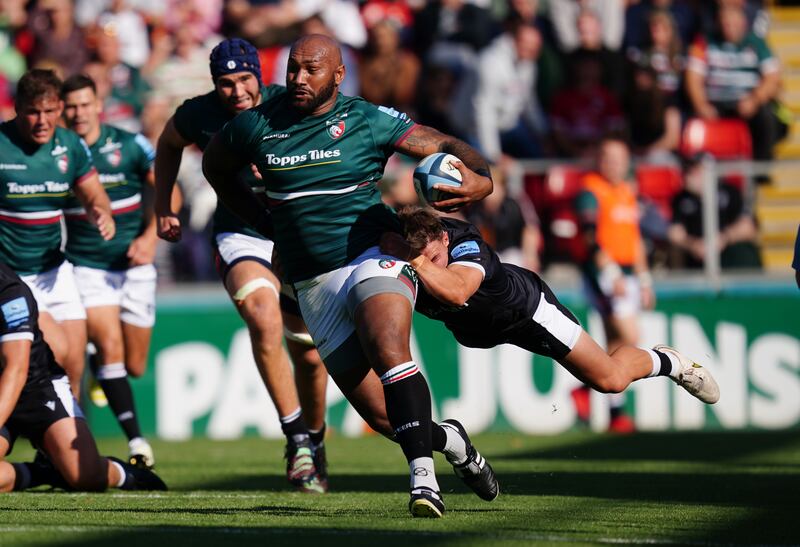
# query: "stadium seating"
659,184
725,139
554,199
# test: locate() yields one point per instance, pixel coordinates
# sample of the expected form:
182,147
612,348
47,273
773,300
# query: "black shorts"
40,408
552,331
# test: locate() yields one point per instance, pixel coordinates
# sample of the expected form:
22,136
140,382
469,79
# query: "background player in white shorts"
43,165
116,279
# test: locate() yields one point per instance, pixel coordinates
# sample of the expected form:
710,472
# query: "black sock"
294,427
318,437
114,381
32,474
408,406
438,437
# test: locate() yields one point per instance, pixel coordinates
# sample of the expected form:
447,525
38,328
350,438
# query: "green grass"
687,489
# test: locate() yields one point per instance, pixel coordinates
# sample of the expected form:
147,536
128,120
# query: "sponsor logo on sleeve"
466,248
15,312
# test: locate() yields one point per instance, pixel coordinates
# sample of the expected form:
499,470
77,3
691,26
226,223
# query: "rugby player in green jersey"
321,155
41,166
116,279
244,258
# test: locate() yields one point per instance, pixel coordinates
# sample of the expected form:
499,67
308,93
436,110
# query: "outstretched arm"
476,182
14,355
169,152
453,285
221,167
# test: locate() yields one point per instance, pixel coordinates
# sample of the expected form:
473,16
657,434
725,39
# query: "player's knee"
614,383
260,311
136,365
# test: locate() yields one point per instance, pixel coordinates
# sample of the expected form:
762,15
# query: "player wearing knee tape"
320,155
116,279
244,255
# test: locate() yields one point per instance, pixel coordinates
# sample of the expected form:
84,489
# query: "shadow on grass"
711,447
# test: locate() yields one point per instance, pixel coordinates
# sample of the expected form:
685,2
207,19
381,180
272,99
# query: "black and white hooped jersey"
19,320
506,296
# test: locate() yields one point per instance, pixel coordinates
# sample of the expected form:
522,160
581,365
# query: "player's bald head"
323,48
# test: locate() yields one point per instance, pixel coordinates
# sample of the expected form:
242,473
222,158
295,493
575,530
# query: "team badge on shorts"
386,263
335,128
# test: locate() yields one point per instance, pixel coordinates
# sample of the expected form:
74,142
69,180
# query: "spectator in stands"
662,51
262,22
388,73
120,86
617,276
638,16
737,236
58,41
585,111
130,29
734,74
654,124
509,224
498,104
437,85
564,14
590,43
454,23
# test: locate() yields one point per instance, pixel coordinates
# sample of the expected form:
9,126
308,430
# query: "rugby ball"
437,168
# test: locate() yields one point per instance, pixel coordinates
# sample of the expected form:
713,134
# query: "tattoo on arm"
424,140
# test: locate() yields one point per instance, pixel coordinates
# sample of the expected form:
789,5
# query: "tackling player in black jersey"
486,303
36,402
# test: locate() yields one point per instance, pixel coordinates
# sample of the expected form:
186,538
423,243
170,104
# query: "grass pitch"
580,488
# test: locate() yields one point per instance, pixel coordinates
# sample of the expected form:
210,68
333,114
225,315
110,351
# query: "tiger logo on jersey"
335,128
114,158
63,163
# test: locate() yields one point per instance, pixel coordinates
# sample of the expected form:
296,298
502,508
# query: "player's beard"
325,93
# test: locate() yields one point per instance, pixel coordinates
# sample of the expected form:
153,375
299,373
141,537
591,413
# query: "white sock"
422,474
676,366
455,449
122,474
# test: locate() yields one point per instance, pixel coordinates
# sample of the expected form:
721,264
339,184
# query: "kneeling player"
36,402
486,303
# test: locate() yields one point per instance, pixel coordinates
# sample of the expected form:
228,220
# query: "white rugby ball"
437,168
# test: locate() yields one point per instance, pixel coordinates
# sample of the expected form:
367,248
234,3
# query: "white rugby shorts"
56,292
323,299
233,247
133,290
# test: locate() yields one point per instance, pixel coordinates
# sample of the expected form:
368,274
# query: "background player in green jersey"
116,279
245,260
42,164
321,155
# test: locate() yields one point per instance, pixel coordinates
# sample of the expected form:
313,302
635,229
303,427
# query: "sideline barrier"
202,381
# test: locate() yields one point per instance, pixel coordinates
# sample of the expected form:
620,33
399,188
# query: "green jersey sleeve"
146,156
182,119
82,158
586,205
389,126
242,133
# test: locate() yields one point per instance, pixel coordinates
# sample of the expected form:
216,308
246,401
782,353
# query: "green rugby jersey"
122,160
35,184
197,120
321,174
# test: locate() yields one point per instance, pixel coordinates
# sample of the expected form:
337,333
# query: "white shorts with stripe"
323,299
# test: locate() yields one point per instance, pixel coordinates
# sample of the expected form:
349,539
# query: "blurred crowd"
517,79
